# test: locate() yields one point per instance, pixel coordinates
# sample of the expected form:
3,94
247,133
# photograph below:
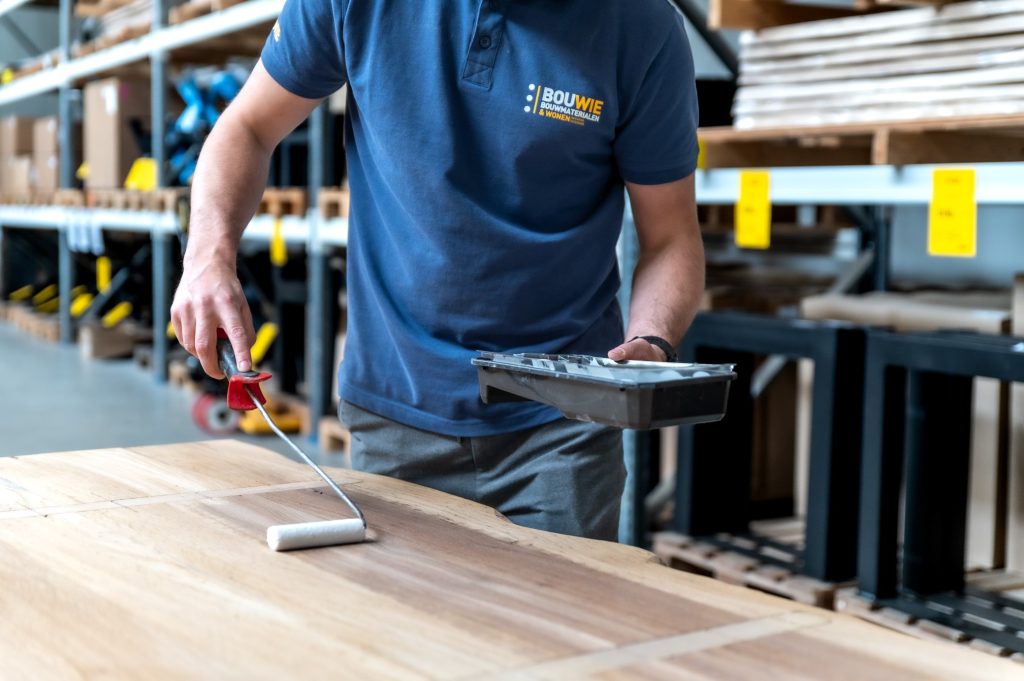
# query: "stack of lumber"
964,59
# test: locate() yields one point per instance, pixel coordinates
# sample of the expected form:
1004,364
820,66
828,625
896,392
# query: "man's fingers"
206,347
232,320
185,330
638,349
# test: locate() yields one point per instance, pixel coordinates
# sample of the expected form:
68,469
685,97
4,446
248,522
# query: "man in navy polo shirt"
488,146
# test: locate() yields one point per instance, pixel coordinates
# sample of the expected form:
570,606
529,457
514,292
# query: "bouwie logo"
562,105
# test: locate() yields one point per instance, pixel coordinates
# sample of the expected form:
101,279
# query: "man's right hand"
208,298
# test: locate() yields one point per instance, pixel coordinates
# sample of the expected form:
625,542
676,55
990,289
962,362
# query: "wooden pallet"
333,202
90,8
26,199
119,199
334,438
167,200
71,198
115,38
766,573
758,14
949,140
1000,582
282,201
197,8
42,326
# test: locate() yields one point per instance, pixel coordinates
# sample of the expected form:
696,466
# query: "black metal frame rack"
917,430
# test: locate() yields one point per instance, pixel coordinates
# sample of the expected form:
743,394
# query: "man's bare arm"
227,187
669,278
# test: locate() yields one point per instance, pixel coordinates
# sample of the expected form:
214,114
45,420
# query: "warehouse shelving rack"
317,236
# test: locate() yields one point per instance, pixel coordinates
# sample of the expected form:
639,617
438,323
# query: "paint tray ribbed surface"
640,395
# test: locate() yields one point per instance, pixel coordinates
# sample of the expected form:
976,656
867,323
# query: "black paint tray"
639,395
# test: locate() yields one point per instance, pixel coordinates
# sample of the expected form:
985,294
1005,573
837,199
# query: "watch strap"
661,344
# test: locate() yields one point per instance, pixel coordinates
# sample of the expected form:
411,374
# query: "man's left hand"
638,349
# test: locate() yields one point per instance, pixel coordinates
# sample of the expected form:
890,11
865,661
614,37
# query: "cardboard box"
110,147
18,177
47,173
15,136
978,311
45,137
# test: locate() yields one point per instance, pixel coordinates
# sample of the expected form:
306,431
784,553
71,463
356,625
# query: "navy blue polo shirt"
487,145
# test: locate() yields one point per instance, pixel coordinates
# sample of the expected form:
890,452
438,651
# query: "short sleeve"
304,52
656,139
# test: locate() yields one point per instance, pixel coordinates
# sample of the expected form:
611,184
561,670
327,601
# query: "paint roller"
244,394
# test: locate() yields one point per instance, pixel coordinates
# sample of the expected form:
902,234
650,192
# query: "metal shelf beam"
997,184
294,229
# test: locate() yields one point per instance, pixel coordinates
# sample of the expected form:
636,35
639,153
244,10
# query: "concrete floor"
53,400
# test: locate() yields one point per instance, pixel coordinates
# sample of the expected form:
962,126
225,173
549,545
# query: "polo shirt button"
484,42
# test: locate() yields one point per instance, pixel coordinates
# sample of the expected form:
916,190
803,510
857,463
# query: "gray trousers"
565,476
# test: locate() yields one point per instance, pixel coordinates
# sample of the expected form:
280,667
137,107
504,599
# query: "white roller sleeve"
310,535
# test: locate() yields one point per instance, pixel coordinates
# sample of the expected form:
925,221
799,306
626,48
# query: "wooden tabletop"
151,563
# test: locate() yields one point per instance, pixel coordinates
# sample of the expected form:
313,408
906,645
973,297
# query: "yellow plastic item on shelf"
266,335
80,304
278,248
102,273
142,175
116,315
6,76
21,294
170,331
83,171
45,295
49,307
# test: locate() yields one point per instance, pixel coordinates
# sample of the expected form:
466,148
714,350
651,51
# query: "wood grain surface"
150,563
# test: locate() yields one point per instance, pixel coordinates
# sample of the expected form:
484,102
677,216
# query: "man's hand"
638,349
209,298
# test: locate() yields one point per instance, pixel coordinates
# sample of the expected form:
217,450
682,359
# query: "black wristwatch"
661,344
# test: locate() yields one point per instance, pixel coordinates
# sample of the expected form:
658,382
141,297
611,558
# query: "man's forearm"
228,184
667,289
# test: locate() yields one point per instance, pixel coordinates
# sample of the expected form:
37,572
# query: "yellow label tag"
170,331
953,215
278,249
701,154
754,210
102,273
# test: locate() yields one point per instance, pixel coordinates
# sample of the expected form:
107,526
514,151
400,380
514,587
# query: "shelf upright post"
319,314
66,97
883,246
161,246
636,445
